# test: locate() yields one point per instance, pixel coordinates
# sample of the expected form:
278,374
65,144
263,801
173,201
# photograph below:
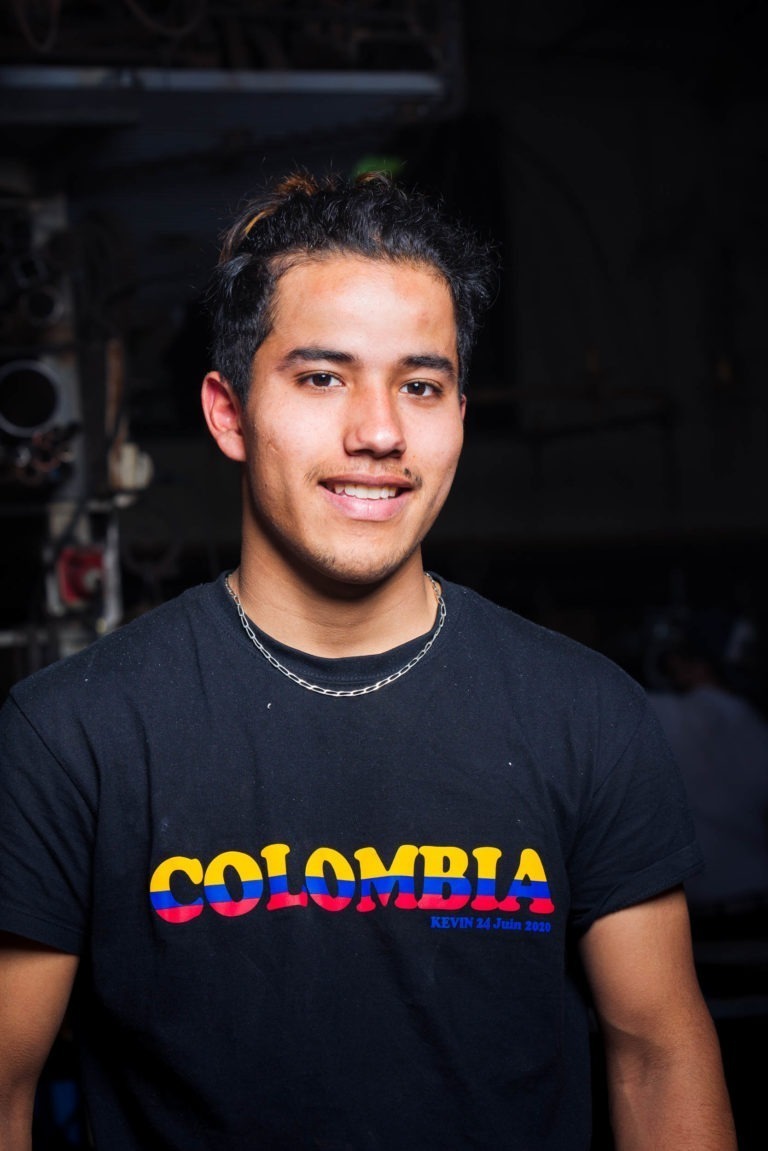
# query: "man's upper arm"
665,1075
639,962
35,986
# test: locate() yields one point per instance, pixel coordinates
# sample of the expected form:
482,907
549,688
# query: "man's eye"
420,388
321,380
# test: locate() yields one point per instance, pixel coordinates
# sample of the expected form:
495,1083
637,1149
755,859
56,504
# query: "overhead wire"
23,9
160,29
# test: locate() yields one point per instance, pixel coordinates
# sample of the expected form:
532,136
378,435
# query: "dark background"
615,469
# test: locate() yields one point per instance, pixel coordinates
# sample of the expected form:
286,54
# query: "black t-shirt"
335,923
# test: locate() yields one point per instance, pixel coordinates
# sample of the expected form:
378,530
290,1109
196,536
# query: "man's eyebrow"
433,363
312,353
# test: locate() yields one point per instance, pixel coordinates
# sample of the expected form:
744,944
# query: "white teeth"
365,493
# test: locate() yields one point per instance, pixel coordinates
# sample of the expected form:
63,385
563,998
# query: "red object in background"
80,572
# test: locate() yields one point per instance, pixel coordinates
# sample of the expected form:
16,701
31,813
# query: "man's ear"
223,415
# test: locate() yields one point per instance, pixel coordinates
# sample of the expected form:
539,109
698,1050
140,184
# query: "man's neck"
333,619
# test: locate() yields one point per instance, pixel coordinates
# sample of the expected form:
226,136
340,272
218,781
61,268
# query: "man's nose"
374,423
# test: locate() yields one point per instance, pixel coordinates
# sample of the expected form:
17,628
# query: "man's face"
354,423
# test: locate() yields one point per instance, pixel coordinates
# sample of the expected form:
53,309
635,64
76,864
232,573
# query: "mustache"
405,476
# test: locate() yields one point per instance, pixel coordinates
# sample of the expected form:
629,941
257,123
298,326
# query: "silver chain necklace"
328,690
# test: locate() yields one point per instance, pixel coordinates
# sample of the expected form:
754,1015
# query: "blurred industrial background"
616,462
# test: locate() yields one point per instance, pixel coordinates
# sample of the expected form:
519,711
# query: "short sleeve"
46,828
637,838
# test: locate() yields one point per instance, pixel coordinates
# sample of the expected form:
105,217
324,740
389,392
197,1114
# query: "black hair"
302,217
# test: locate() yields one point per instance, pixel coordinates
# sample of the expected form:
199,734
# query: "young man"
332,853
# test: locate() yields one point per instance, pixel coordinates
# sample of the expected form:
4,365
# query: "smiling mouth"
364,492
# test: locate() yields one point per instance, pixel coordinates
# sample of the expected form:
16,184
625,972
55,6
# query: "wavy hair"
304,217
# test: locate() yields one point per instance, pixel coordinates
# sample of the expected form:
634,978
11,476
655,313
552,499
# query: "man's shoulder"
149,639
543,661
483,615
